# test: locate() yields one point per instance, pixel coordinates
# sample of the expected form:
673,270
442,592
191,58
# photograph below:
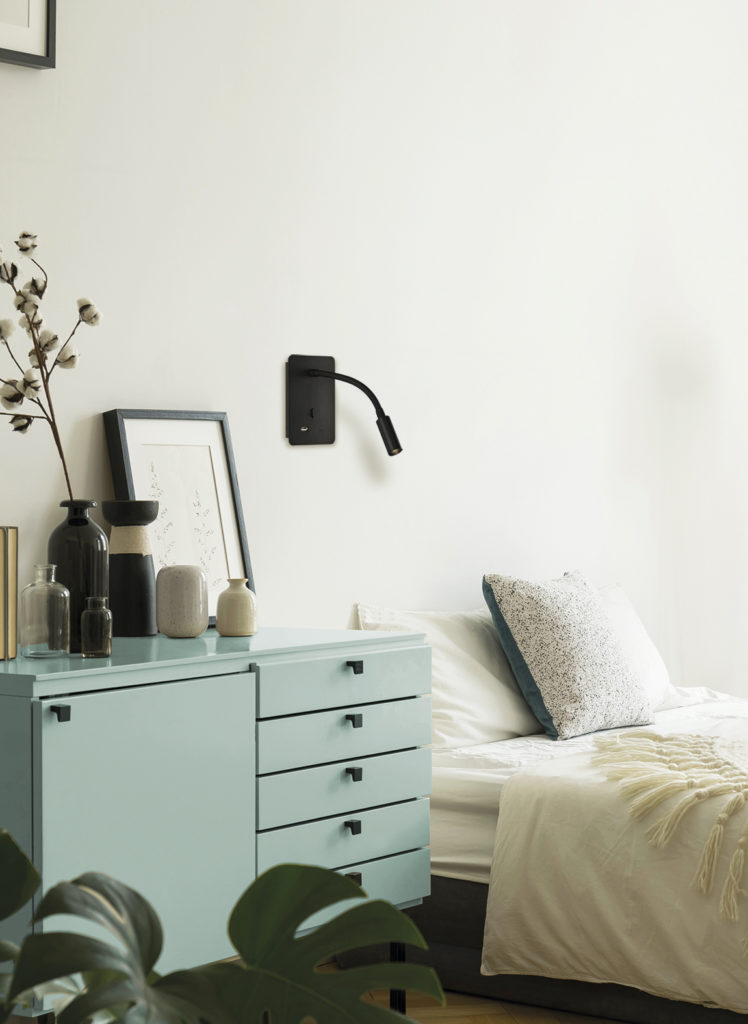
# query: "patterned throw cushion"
565,655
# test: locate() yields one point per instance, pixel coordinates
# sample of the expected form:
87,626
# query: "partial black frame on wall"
35,60
115,426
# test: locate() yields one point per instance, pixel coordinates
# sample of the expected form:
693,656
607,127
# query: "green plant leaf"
19,879
115,906
90,1002
278,976
56,954
8,951
119,975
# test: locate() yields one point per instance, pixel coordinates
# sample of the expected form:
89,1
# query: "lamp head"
389,436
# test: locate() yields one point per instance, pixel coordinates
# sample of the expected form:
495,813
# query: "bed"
490,753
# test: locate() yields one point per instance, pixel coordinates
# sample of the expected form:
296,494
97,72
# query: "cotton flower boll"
20,424
26,243
88,313
10,395
31,384
48,341
8,272
34,358
68,357
6,329
27,321
36,286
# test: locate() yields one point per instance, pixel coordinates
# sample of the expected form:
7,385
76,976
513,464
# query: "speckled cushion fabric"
565,655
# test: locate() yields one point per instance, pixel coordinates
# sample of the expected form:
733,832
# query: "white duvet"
467,784
577,892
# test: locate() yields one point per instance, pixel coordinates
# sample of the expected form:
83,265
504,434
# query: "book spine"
8,592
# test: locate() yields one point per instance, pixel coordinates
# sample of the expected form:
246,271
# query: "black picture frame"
127,437
36,60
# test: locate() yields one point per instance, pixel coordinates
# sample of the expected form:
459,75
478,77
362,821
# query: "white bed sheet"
467,784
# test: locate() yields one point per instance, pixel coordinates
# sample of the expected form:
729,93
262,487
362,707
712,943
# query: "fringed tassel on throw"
704,879
707,865
686,770
653,796
661,832
729,903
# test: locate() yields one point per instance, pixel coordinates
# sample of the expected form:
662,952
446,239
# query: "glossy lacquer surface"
154,785
162,658
146,765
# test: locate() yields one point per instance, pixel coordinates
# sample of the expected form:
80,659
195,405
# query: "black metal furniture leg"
397,995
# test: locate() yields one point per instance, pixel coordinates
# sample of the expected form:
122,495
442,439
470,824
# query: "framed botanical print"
27,32
185,461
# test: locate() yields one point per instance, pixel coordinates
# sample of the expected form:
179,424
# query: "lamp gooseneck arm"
390,438
350,380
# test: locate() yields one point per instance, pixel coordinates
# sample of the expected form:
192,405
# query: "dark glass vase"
132,580
80,550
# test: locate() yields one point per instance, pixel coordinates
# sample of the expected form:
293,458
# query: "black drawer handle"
355,876
354,825
356,720
62,711
357,666
355,773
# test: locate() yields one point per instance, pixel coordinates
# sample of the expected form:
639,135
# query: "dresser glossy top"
164,658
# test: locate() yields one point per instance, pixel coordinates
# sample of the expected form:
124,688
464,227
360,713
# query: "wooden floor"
471,1010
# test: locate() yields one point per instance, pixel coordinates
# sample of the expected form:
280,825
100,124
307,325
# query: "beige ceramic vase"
236,611
181,601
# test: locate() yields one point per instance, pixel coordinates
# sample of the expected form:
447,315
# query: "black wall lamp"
310,403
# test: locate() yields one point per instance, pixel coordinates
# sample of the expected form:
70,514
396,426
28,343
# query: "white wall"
522,222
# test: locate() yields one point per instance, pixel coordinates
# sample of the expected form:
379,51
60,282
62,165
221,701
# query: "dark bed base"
451,921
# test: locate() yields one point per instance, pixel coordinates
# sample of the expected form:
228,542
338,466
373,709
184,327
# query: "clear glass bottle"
44,615
96,628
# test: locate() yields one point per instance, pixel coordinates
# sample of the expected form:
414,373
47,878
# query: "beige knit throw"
653,768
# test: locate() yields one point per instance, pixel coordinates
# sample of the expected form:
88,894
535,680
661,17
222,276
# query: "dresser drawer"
290,798
352,731
403,879
331,682
358,836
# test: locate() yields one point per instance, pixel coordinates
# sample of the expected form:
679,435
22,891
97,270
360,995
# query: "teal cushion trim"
525,681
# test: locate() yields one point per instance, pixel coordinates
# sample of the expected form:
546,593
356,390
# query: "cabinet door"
153,785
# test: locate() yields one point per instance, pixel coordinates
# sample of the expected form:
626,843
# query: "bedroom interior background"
533,210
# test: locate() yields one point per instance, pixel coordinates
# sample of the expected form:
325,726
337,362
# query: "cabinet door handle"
355,876
356,774
354,825
356,720
357,666
62,711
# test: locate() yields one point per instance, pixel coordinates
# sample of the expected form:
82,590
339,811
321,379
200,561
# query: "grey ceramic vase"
181,601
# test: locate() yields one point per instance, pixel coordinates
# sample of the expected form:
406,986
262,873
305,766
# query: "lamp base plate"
310,401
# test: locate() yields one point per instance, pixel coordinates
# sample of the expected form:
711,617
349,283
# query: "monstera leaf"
19,879
277,981
117,977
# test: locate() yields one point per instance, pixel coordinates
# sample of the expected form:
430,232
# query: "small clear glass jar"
44,615
96,628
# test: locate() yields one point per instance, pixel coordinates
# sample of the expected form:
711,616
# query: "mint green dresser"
187,767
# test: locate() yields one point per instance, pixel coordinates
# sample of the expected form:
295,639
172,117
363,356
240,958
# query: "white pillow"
638,647
475,698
